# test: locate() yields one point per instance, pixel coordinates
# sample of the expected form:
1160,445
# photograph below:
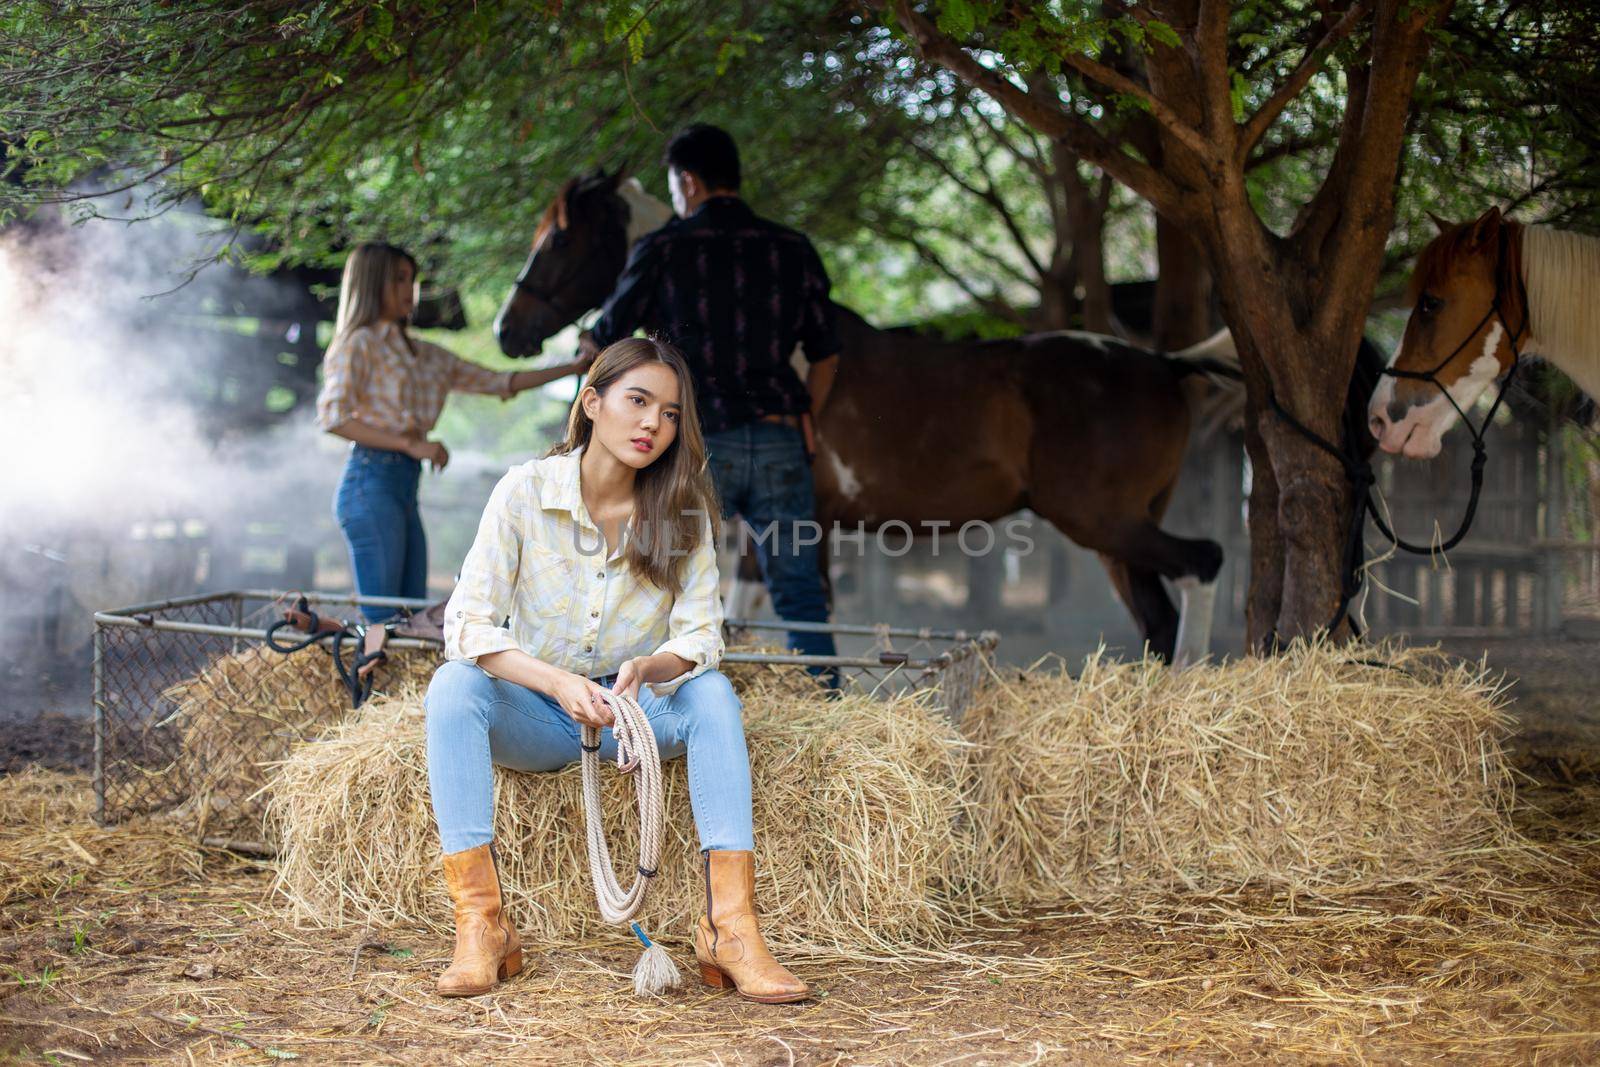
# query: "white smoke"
119,472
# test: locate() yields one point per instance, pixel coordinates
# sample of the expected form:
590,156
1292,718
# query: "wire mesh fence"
192,708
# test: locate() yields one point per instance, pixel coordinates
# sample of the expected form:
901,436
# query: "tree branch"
990,302
1257,125
997,201
1368,201
1047,117
1121,83
1211,69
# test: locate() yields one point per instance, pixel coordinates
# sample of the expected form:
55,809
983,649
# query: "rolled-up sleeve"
474,616
694,630
344,375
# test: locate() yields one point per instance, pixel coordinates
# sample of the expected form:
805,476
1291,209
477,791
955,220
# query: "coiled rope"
636,756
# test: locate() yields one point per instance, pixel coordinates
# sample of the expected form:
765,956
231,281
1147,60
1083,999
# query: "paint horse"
1087,431
1484,293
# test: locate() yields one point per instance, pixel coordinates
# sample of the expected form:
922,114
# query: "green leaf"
958,19
1163,33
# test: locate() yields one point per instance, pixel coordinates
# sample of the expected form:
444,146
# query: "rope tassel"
655,973
637,756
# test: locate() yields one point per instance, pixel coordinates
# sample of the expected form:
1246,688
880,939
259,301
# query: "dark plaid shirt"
736,293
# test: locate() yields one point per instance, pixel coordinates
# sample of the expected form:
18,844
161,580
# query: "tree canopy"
447,124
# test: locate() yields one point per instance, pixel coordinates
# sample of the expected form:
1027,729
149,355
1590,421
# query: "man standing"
736,293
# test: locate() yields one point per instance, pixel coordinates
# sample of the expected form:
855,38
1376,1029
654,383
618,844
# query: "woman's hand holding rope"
583,699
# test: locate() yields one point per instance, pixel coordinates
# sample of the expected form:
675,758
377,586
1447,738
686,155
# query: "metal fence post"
99,726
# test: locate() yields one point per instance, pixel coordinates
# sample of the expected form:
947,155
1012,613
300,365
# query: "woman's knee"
712,702
458,690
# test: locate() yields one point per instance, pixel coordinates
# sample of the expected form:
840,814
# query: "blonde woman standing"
383,391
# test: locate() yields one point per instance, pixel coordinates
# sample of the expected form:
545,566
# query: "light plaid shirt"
538,578
369,375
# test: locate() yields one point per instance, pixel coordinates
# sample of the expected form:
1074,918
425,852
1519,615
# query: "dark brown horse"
1085,430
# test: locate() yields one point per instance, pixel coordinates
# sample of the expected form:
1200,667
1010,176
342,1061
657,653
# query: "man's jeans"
761,472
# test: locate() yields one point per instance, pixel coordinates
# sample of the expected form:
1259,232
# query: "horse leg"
1191,564
1197,604
1149,554
1141,592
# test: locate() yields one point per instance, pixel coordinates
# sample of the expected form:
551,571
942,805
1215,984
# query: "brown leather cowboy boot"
487,947
727,938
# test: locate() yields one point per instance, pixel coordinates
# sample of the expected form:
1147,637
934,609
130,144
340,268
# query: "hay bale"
761,684
245,712
1295,772
860,809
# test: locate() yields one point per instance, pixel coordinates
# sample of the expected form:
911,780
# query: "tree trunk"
1182,313
1058,301
1300,498
1266,541
1086,205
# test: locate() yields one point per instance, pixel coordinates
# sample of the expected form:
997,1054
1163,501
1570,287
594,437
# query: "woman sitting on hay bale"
603,558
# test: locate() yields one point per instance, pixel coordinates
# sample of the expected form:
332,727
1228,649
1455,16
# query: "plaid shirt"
370,375
537,578
736,293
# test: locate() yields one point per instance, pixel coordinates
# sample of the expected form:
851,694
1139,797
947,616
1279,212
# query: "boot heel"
511,966
712,975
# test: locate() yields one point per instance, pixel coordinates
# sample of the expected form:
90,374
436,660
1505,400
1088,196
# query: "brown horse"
1484,292
1087,431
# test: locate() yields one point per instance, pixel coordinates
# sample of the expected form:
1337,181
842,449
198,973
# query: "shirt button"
588,648
594,614
602,574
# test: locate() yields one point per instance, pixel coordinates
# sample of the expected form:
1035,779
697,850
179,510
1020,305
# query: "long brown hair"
671,495
369,268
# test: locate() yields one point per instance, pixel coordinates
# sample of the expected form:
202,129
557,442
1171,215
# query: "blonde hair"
671,494
368,270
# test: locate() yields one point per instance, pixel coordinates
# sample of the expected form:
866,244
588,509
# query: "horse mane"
559,214
556,214
1563,272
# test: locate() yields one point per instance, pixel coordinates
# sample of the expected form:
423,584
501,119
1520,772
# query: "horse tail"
1212,382
1217,357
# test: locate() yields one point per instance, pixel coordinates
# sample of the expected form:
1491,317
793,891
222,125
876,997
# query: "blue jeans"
761,472
476,721
376,505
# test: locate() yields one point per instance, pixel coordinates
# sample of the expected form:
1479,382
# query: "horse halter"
1513,338
548,304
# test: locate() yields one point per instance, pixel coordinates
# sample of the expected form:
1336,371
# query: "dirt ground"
131,945
1555,696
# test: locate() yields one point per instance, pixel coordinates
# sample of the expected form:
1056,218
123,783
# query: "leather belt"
792,421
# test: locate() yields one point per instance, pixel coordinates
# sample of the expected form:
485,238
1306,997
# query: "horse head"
578,251
1468,309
